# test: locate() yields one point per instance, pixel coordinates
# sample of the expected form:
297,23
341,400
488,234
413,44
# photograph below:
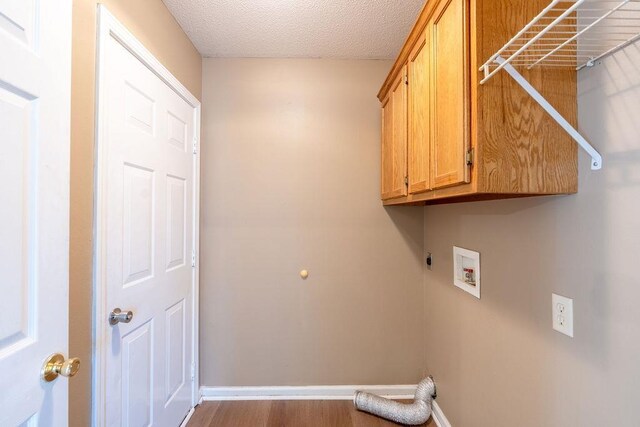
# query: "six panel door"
148,236
35,78
35,90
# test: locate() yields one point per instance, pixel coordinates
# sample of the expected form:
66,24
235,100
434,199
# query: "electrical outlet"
562,312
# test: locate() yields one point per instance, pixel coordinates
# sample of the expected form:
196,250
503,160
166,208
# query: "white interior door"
35,78
146,187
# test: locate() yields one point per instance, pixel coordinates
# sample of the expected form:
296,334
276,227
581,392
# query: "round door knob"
119,316
56,365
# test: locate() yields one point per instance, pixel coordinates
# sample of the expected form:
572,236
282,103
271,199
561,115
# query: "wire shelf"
570,34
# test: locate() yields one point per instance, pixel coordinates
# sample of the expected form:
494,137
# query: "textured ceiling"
297,28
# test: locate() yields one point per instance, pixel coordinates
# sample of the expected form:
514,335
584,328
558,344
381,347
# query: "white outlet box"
562,312
466,270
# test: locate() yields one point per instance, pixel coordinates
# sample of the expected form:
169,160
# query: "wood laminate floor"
278,413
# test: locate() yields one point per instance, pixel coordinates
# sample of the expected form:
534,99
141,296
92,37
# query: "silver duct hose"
415,413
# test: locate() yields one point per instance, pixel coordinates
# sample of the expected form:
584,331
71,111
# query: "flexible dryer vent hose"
415,413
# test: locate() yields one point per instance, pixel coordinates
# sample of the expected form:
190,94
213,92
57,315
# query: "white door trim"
109,26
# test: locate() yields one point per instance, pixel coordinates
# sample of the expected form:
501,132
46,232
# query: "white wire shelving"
572,34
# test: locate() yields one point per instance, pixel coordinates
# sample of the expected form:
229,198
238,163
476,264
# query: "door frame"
109,26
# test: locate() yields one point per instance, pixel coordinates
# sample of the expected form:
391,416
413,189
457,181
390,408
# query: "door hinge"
406,80
406,181
193,259
195,146
193,371
470,156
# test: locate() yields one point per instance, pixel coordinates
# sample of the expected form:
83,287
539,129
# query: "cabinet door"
419,141
394,139
450,106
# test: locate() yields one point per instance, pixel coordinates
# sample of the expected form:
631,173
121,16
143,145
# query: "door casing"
109,26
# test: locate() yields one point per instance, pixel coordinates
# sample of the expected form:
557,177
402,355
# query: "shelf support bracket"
596,158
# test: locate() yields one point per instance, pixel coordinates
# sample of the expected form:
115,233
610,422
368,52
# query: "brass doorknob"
56,365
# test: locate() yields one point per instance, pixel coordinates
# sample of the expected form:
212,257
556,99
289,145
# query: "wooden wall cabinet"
394,139
446,138
419,115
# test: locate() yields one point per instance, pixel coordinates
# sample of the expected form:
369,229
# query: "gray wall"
290,180
497,360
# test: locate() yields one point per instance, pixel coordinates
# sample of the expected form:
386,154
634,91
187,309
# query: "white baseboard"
333,392
187,418
438,416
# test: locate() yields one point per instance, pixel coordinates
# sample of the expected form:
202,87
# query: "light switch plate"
562,312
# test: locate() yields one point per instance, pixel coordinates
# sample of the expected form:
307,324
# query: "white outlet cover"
466,259
562,312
